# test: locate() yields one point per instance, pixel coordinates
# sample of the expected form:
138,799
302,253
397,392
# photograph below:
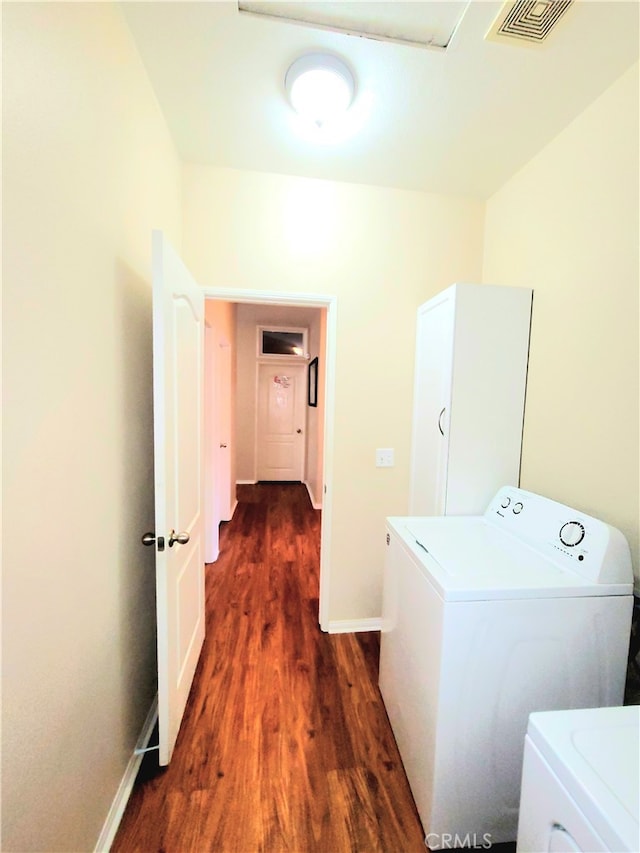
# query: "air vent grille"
528,20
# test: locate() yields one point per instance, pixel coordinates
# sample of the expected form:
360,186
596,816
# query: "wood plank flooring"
285,744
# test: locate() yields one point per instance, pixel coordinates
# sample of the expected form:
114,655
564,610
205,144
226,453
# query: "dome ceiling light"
320,87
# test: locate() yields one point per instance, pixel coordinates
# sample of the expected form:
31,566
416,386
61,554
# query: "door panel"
188,604
431,404
187,362
178,390
281,422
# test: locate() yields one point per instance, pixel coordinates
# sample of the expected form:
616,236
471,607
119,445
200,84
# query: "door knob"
150,539
180,538
298,431
223,445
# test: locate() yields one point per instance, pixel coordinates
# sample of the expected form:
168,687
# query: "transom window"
282,342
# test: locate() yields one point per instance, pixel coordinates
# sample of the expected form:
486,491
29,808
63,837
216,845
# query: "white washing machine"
580,782
486,619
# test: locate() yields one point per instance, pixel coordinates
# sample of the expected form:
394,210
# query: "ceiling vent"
527,21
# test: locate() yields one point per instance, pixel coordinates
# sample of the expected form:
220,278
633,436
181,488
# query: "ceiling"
459,120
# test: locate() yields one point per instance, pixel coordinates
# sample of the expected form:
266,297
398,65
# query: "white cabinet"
472,349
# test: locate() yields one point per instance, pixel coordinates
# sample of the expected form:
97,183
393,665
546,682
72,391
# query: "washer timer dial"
571,533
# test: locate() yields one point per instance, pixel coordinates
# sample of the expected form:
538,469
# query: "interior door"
178,399
211,453
281,421
225,486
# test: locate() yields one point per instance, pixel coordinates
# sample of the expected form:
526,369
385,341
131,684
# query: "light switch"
384,457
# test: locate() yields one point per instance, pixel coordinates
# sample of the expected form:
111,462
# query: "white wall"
567,225
88,171
381,252
221,316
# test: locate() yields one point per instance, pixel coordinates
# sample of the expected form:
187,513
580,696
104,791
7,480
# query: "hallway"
285,744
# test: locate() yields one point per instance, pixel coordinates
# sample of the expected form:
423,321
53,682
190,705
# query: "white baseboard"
314,503
353,626
232,509
246,482
123,793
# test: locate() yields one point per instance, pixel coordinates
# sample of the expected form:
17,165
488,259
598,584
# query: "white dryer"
580,782
485,620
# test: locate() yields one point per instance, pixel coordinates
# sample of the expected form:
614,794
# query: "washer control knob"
571,533
505,502
517,508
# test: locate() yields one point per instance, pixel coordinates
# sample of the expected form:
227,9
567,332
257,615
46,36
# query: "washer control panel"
576,541
572,533
508,503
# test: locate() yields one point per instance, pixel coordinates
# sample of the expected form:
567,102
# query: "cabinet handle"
440,420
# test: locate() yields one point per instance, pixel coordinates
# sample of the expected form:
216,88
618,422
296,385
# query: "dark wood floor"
285,744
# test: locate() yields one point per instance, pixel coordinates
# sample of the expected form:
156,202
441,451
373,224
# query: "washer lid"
595,754
468,559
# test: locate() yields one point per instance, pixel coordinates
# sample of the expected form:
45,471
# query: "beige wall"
88,171
316,415
381,252
245,397
567,225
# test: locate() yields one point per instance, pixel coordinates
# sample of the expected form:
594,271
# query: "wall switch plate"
384,457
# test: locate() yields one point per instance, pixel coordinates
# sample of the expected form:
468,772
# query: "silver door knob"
180,538
150,539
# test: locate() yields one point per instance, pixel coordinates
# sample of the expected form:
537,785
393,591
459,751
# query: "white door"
431,399
281,421
218,489
178,399
224,485
211,441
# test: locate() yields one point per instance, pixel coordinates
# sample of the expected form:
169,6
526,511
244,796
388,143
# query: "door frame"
330,303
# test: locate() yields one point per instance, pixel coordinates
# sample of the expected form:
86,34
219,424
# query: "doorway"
318,482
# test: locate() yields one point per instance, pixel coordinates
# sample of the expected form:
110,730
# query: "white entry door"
281,421
178,400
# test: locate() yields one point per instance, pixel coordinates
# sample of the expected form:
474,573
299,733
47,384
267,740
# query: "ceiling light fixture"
320,87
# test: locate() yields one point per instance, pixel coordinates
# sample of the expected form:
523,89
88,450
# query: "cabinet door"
432,394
